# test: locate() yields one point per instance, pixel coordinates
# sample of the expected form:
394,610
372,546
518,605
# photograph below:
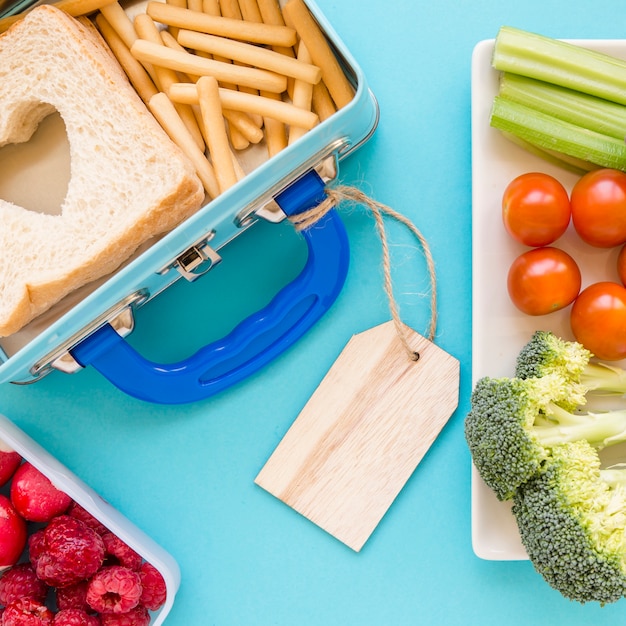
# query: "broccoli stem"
604,377
614,477
599,429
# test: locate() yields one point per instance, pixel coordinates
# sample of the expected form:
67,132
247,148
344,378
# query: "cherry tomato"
599,208
598,320
535,209
621,265
543,280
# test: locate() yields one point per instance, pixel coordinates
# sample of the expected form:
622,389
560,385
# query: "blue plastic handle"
256,340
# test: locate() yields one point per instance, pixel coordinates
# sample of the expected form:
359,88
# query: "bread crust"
112,205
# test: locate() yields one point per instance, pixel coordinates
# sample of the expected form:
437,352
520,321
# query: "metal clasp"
120,317
324,163
196,260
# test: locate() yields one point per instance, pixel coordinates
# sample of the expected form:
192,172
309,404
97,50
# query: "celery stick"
549,133
571,164
560,63
571,106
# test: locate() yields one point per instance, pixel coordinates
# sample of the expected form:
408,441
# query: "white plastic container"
62,478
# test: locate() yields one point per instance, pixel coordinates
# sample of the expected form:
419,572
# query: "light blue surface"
185,474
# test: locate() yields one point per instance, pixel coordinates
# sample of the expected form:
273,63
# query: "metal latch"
123,324
266,207
196,260
120,317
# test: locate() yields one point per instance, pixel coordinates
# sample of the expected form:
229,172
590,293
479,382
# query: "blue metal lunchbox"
89,328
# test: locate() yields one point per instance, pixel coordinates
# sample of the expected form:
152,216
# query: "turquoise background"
185,474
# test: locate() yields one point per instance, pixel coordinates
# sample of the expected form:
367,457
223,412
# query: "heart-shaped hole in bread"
128,182
35,174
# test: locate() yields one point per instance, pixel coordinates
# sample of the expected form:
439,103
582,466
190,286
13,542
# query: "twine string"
343,193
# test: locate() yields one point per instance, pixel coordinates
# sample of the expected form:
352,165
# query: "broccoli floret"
546,353
572,522
513,423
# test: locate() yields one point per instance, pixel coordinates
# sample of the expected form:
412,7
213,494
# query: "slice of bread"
128,181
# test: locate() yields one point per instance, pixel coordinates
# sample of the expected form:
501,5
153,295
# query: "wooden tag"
363,432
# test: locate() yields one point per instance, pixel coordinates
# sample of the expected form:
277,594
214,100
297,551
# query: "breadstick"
302,94
219,148
195,5
119,20
323,104
239,101
297,13
250,54
212,7
163,109
238,141
275,130
135,71
180,4
167,39
230,8
194,64
244,124
170,41
75,8
271,14
238,169
80,7
250,11
146,29
195,110
224,26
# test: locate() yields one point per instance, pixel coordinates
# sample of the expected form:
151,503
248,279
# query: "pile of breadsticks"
222,75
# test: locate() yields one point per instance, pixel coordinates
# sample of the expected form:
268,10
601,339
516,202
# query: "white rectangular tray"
499,329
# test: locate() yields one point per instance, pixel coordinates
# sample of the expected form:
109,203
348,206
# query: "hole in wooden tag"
35,174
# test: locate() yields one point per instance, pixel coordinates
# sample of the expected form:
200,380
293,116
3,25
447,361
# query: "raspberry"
138,616
35,547
114,589
79,512
75,617
70,551
34,496
20,581
27,612
121,553
154,589
73,596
